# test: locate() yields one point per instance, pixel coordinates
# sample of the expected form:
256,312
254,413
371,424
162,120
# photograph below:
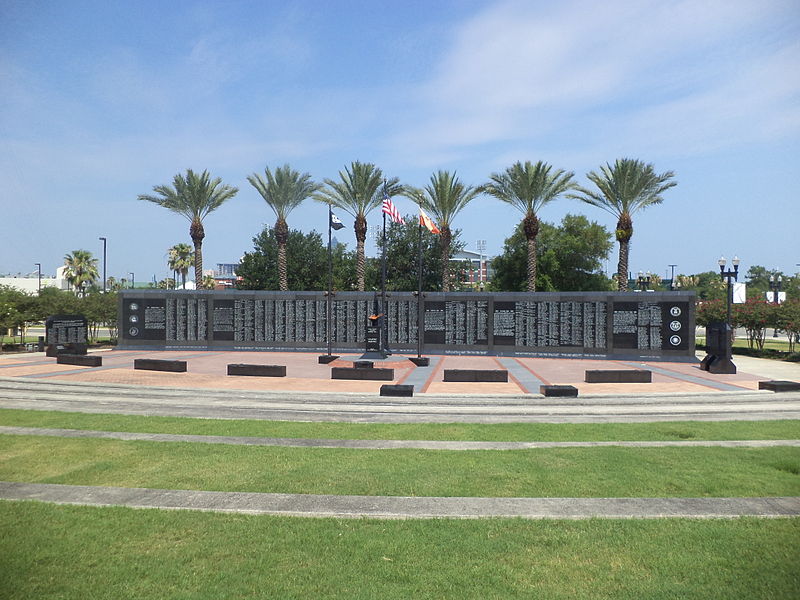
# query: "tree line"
622,189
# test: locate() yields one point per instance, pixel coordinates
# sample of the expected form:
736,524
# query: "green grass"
770,343
560,472
68,552
513,432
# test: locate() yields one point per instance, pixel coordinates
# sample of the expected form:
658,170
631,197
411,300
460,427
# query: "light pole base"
720,365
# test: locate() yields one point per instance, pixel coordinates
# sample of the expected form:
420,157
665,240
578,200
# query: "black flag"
335,222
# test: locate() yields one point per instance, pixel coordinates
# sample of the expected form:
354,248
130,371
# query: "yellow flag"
426,220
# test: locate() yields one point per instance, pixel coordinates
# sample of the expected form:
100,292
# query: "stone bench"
257,370
82,360
362,374
473,375
619,376
397,390
559,391
157,364
363,364
779,386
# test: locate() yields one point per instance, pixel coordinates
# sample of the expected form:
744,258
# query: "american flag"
390,209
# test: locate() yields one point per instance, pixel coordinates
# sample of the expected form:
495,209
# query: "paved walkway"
399,507
207,370
377,444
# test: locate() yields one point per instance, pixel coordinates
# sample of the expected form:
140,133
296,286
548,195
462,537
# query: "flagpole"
419,291
385,327
330,282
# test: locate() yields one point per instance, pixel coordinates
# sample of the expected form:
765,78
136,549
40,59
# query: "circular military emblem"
675,340
134,318
675,311
675,325
133,331
133,306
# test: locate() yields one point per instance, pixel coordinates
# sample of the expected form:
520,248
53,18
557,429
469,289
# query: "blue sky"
103,100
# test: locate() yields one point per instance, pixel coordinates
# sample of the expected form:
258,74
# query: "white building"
31,285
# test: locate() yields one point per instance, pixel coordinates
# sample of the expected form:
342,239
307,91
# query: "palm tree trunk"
283,279
446,238
622,266
624,233
532,264
197,233
360,227
530,225
282,236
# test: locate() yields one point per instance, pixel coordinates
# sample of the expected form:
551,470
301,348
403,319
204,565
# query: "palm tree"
193,196
528,188
180,258
360,190
630,185
81,270
443,198
283,191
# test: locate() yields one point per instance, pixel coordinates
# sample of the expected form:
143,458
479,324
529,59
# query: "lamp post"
133,280
775,284
730,276
672,277
643,281
39,267
719,336
102,239
481,246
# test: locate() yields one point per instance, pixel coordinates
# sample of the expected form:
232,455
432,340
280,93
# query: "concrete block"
559,391
156,364
779,386
473,375
397,390
618,376
82,360
362,374
257,370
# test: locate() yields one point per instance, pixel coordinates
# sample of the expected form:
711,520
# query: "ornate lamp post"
730,276
719,336
643,281
775,284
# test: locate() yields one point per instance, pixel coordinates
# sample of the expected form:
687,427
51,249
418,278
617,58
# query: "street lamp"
730,276
102,239
39,267
719,336
481,246
775,284
133,280
643,281
672,277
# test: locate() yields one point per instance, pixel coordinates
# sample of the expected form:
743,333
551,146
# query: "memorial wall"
632,324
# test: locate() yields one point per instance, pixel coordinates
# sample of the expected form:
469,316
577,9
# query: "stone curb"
396,507
379,444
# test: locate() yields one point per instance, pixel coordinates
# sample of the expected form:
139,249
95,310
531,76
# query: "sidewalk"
207,369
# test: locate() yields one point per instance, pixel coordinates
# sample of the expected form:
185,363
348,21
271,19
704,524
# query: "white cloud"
621,71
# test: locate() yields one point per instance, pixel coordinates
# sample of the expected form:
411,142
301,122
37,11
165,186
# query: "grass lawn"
770,343
558,472
511,432
70,552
